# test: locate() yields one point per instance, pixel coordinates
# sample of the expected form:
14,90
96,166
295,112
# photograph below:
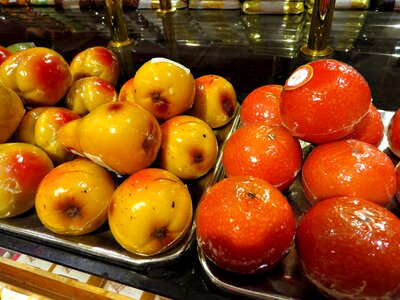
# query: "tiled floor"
8,292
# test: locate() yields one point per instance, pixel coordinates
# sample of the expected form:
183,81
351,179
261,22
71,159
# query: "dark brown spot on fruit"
198,157
251,195
156,97
160,233
111,208
227,105
115,106
160,102
73,212
70,207
173,204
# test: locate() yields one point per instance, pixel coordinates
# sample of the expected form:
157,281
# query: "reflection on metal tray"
285,282
101,244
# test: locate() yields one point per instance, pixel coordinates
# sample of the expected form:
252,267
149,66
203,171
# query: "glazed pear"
121,136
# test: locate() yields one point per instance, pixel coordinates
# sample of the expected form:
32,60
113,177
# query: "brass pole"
169,35
116,21
165,7
320,28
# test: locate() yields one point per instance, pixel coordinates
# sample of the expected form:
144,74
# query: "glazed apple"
96,61
125,93
46,131
215,100
26,130
164,87
4,53
348,248
11,112
20,46
150,212
87,93
121,136
23,166
40,76
73,198
189,147
40,127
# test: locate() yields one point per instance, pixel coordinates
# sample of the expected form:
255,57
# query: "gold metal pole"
169,35
116,21
120,42
165,7
320,28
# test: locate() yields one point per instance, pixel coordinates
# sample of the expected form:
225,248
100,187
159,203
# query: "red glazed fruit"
245,225
370,129
349,249
322,101
393,133
262,106
96,61
39,75
267,152
398,182
349,168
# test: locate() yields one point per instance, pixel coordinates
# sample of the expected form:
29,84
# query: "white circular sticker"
299,77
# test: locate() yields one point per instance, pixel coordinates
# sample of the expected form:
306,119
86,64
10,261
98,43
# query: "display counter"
248,50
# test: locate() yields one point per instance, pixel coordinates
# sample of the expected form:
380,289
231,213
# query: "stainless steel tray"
101,244
285,282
